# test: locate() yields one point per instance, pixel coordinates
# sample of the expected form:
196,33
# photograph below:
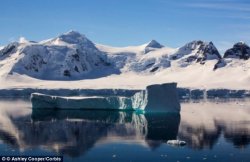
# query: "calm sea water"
214,131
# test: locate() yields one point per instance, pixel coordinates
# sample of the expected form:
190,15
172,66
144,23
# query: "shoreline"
184,93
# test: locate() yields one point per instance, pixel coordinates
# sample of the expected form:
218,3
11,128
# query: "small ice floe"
176,143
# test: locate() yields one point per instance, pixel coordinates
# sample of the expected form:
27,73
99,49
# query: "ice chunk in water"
40,101
159,97
176,143
156,97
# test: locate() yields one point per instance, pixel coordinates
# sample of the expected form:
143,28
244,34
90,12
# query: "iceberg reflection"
74,133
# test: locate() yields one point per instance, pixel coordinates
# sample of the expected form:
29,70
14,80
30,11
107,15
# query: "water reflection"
74,133
203,124
161,128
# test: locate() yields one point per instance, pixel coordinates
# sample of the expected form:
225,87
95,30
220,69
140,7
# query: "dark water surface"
214,131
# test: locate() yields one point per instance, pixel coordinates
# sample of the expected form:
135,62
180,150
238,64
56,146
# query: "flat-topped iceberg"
155,97
94,102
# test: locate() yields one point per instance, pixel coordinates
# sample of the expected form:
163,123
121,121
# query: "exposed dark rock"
154,69
76,69
204,51
66,73
152,45
150,65
11,48
240,50
191,59
221,63
36,62
197,51
76,56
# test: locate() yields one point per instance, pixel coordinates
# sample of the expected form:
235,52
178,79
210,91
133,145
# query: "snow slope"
66,57
72,61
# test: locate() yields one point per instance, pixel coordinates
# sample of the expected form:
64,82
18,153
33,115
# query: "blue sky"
128,22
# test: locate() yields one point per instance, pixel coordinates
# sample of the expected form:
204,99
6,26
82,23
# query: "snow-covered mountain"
1,47
145,58
197,51
240,50
152,45
237,56
72,56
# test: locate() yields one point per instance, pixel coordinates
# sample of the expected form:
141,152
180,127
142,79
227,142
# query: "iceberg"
176,143
161,97
94,102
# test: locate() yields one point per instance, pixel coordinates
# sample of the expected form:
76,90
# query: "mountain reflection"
202,124
75,132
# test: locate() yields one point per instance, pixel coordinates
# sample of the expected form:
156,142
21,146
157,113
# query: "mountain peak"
72,37
200,46
154,44
195,43
240,50
23,40
197,51
240,44
72,33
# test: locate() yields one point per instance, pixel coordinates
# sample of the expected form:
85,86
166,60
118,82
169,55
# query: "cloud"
231,6
237,16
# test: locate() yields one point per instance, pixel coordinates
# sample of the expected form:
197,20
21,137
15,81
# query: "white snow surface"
72,61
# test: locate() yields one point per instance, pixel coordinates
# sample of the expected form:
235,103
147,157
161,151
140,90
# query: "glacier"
161,97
